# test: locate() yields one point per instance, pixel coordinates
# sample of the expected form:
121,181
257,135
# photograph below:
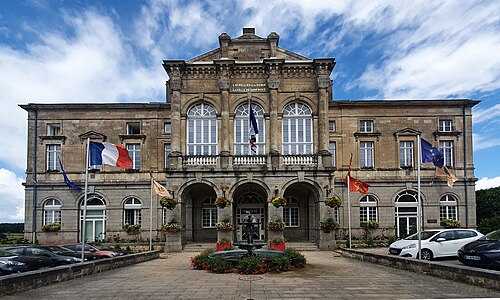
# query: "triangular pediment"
407,132
93,135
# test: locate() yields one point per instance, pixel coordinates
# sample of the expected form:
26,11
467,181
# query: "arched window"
132,211
95,222
202,130
209,213
51,211
406,213
242,129
368,209
448,207
291,212
297,129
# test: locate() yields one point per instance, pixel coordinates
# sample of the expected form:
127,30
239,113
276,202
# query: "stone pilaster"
225,152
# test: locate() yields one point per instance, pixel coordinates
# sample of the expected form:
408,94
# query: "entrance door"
95,226
406,225
250,204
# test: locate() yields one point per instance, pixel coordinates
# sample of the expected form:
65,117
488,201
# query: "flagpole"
419,212
349,208
85,198
151,218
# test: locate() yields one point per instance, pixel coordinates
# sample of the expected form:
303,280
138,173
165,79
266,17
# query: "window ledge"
358,134
132,137
447,133
61,138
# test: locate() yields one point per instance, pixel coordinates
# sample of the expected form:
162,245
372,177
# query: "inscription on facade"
248,87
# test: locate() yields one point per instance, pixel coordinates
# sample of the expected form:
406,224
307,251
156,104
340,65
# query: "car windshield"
492,236
6,253
424,235
59,250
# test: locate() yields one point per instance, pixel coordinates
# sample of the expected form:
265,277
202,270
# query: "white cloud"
11,197
486,183
485,141
482,115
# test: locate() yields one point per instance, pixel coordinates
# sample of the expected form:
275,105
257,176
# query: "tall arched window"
448,207
209,213
132,211
368,209
51,211
291,212
406,213
202,130
95,222
241,130
297,129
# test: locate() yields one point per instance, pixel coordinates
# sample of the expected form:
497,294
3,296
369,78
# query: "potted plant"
222,202
370,225
171,227
277,225
448,223
169,203
278,201
132,229
224,225
51,227
277,244
223,245
328,225
333,201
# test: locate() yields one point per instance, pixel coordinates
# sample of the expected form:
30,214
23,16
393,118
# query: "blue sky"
111,51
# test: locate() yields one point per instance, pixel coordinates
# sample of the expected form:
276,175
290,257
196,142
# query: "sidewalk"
327,276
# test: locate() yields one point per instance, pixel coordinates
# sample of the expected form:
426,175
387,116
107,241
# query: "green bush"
368,225
447,223
200,262
51,227
280,264
219,264
392,239
134,229
251,265
489,224
297,259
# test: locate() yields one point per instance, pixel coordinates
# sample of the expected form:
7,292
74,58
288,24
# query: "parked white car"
435,243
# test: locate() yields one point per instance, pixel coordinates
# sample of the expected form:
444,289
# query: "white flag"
161,190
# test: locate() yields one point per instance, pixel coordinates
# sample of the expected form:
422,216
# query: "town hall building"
196,144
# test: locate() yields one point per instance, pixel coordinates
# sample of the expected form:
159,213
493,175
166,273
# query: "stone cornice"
381,102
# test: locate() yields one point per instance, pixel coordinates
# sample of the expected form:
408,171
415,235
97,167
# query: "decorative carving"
224,83
175,84
273,83
323,82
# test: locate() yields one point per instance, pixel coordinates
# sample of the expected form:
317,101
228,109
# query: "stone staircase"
299,246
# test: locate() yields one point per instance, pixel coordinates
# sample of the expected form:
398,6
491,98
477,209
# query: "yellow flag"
450,178
161,190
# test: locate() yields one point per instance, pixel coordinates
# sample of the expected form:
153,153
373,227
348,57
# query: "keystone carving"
224,83
323,82
273,83
175,84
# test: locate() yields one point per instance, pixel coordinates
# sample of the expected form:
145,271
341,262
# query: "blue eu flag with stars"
431,154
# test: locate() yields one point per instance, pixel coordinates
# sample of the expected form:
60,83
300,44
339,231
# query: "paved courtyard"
326,276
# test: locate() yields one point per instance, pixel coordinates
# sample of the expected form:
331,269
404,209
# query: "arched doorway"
250,199
406,213
301,212
95,221
199,214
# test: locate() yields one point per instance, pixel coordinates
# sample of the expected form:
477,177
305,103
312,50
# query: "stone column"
323,137
225,124
173,241
225,214
175,159
273,84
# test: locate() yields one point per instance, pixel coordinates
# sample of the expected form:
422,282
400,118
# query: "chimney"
248,30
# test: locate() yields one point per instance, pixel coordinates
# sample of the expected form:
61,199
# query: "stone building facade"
196,144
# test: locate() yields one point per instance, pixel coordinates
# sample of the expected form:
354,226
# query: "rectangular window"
134,128
134,150
367,213
53,152
366,154
167,127
209,217
332,152
405,154
445,125
331,126
52,216
167,154
447,212
365,126
291,216
132,216
53,129
446,149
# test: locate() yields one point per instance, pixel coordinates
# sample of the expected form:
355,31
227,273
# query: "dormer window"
445,125
134,128
366,126
53,129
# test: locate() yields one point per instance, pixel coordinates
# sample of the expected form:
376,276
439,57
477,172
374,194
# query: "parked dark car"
60,250
89,248
484,252
107,248
57,260
10,262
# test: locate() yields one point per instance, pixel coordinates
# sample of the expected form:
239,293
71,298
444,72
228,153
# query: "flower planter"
327,230
280,246
223,247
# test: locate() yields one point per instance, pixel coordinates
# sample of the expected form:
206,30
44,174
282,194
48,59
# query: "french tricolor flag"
109,154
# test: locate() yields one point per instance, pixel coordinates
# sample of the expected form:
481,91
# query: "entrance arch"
250,199
199,213
301,214
406,213
95,219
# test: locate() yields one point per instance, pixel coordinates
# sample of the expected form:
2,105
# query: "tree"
488,209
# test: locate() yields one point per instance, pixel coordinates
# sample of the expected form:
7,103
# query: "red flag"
356,185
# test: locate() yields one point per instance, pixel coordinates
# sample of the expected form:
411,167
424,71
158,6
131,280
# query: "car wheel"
426,254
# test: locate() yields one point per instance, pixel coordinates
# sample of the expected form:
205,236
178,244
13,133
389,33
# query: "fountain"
249,248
